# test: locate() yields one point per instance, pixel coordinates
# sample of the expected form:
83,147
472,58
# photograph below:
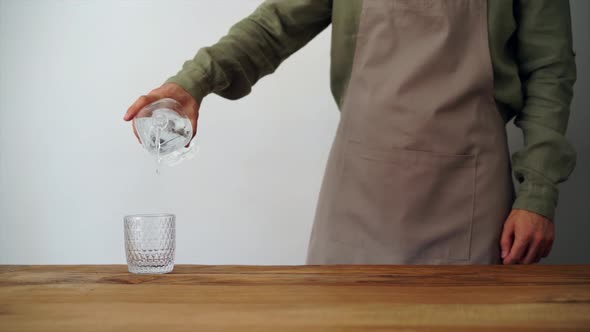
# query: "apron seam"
473,201
345,121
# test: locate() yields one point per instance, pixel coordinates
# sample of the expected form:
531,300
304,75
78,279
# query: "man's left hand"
527,237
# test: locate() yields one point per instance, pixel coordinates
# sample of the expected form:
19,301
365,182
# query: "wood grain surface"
296,298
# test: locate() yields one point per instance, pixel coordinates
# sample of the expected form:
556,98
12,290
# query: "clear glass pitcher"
164,130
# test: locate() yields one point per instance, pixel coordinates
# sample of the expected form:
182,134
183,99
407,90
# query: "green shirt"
532,57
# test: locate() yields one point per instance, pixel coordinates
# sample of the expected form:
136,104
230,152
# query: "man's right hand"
169,90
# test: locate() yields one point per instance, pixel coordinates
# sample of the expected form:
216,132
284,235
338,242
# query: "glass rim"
149,215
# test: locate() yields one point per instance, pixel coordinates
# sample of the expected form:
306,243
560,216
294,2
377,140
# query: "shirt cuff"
194,82
538,198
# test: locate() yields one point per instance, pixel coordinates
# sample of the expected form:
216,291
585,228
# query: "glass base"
154,269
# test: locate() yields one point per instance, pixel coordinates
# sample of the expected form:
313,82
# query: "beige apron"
419,172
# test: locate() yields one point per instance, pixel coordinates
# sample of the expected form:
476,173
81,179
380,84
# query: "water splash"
158,148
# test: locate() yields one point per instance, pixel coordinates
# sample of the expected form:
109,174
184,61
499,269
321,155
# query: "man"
419,172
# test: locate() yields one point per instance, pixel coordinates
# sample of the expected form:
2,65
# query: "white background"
70,168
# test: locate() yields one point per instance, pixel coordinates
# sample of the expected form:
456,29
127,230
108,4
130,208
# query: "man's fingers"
540,252
547,249
517,251
507,238
532,254
138,105
550,237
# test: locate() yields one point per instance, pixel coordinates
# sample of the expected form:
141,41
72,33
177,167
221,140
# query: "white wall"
70,168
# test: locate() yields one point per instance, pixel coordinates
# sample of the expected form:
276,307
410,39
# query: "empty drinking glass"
150,242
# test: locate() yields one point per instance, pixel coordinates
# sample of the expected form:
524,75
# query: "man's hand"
169,90
527,237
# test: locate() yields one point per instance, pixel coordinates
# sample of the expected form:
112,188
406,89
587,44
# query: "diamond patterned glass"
150,242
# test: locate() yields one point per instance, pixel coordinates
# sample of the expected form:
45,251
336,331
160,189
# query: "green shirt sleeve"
253,48
547,69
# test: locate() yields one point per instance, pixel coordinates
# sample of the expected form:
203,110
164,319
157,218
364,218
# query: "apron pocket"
405,205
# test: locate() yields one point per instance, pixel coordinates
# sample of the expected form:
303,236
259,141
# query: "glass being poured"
165,131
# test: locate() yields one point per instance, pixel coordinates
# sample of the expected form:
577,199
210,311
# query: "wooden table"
296,298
